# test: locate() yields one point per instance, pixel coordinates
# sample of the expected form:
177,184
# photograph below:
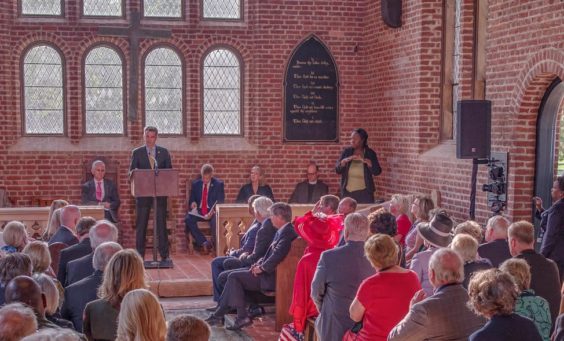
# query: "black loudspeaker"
391,12
473,129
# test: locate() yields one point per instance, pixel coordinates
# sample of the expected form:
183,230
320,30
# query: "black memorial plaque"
311,105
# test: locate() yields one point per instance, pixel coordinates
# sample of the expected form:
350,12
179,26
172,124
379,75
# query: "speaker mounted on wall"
391,12
473,129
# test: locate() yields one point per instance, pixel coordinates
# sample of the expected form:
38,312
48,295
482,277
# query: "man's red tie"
205,200
99,190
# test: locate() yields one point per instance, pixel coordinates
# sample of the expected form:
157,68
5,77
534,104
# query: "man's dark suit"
216,195
79,269
240,281
300,194
111,196
69,254
497,251
553,240
63,235
77,297
140,160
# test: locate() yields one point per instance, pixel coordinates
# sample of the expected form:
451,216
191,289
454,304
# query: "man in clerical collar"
310,190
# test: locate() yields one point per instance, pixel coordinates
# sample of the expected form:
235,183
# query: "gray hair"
282,210
103,254
330,201
51,334
261,206
95,163
206,169
49,289
70,214
98,237
499,225
356,227
16,321
447,265
466,246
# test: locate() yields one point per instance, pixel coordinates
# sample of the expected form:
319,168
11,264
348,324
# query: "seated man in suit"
77,250
66,233
205,192
100,191
262,275
496,248
310,190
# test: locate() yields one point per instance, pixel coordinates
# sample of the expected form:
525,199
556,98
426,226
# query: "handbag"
352,334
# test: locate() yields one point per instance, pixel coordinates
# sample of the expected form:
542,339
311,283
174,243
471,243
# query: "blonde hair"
53,224
466,246
425,205
470,228
381,250
123,273
141,317
15,234
39,254
403,201
522,231
49,289
520,270
50,230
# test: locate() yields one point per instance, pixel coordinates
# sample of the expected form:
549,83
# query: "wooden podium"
155,183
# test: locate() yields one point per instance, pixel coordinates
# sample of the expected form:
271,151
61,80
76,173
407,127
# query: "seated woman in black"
255,186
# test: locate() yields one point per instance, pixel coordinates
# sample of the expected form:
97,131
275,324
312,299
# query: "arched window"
103,85
163,91
222,93
221,9
43,91
102,8
162,8
44,7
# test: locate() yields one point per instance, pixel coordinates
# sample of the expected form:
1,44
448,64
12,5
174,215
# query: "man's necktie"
152,159
205,200
99,190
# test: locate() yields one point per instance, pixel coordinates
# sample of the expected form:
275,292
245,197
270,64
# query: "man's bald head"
70,215
25,290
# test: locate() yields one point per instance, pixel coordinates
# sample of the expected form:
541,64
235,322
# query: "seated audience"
395,287
11,266
310,190
443,315
205,192
420,210
15,237
40,257
399,207
552,246
187,327
79,294
51,293
66,233
470,228
320,230
103,231
496,248
54,219
337,278
78,250
101,191
123,273
255,186
558,334
141,317
261,276
528,304
493,294
384,222
346,206
436,234
467,247
545,280
16,321
54,335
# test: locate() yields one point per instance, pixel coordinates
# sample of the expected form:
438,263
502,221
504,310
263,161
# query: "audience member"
79,294
205,192
420,210
103,231
187,327
123,273
320,230
395,287
40,257
256,185
399,207
54,219
261,275
382,221
443,315
496,248
552,246
15,237
51,293
528,304
16,321
436,234
66,233
11,266
310,190
76,251
141,317
545,280
467,247
101,191
470,228
337,278
346,206
558,334
493,294
54,335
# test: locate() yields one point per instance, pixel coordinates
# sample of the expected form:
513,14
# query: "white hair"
103,253
96,238
447,265
95,163
356,227
261,206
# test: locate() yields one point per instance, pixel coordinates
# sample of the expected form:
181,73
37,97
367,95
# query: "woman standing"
357,166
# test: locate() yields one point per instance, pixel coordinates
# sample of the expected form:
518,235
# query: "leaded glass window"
163,91
41,7
102,8
222,93
222,9
103,85
162,8
43,91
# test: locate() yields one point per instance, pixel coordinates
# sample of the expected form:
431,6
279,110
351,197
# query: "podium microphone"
156,164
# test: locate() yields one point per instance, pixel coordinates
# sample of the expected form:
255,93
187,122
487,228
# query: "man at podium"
150,156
